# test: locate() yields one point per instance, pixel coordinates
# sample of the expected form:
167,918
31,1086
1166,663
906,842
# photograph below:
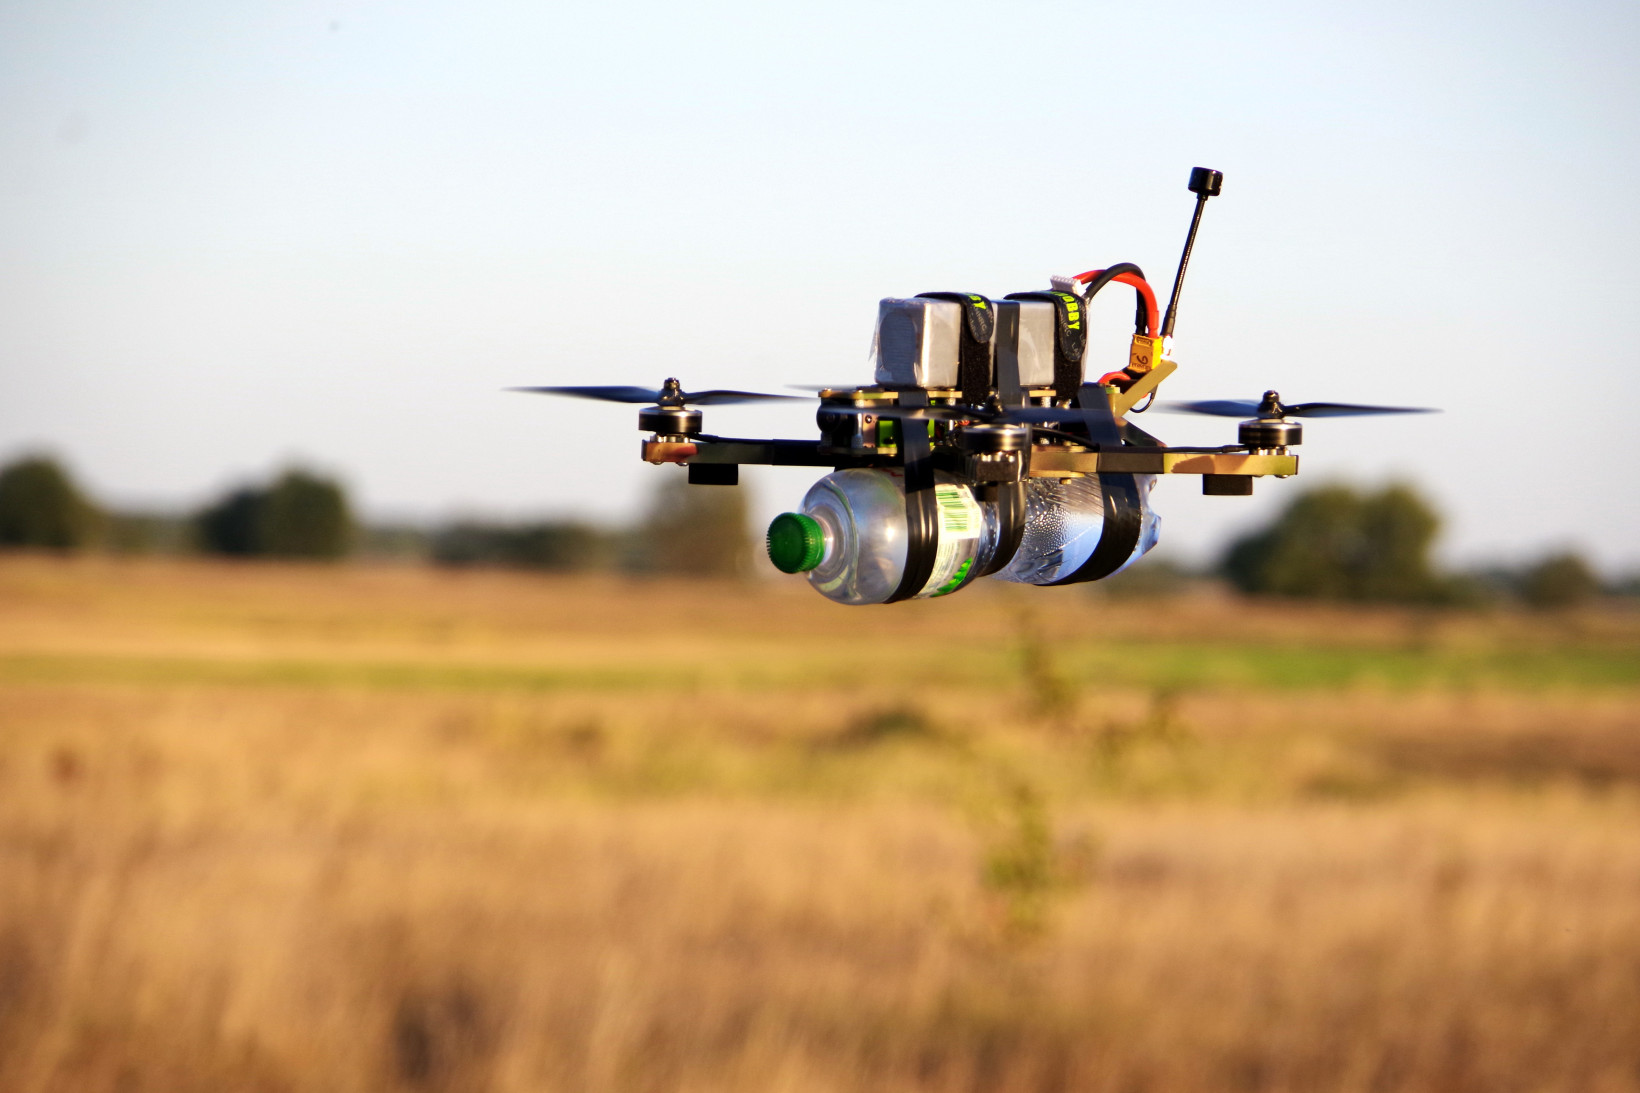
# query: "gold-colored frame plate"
1047,460
1053,461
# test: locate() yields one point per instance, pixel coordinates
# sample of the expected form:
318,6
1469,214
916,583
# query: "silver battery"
1030,340
917,342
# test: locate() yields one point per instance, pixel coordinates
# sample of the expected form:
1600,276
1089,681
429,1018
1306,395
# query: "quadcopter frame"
991,395
1227,470
873,426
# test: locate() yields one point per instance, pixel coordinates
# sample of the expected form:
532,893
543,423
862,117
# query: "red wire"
1137,282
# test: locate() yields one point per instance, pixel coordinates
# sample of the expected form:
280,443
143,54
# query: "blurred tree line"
1334,543
300,514
1331,542
696,531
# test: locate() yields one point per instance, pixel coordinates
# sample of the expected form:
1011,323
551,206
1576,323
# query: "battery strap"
974,350
1071,340
1009,390
1124,512
922,528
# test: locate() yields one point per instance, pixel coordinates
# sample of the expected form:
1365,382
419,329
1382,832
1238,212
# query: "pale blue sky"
232,235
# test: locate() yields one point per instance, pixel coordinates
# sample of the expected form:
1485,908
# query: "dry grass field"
273,828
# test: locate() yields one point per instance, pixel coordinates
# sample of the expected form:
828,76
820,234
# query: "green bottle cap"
796,542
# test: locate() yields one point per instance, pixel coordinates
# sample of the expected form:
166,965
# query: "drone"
981,448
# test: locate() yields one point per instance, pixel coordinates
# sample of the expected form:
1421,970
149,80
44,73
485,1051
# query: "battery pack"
1025,339
1046,343
918,342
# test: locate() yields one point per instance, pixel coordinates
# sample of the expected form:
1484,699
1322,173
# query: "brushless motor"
1266,433
669,420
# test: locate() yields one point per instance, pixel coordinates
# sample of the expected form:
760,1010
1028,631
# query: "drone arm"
1046,461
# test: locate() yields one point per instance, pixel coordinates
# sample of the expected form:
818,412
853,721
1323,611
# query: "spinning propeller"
670,393
669,411
1271,406
1268,426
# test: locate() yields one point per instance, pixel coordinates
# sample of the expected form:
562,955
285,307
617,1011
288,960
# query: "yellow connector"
1143,355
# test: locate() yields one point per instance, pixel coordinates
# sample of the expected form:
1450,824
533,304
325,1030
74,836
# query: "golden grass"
286,828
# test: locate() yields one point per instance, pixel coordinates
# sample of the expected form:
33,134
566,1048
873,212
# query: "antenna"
1204,183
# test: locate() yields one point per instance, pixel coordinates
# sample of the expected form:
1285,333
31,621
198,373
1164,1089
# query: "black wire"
1140,316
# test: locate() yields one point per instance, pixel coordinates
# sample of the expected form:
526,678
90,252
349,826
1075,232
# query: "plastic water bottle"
1150,526
850,537
1063,523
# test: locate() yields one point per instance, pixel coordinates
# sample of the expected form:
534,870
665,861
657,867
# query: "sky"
239,236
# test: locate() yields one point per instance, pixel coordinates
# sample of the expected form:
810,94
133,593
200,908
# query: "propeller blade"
1347,409
726,398
1247,408
601,394
1224,407
620,393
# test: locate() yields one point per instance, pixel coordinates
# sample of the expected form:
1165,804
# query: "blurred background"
366,726
335,231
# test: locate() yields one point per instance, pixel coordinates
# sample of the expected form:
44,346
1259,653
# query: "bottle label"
960,516
961,521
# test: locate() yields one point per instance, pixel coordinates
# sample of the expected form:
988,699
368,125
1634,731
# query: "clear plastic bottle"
1150,527
850,536
1063,523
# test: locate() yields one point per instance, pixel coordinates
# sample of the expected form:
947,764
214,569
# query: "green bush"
40,506
695,530
300,515
305,516
231,526
1562,580
1334,543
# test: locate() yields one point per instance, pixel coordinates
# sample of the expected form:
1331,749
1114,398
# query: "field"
270,828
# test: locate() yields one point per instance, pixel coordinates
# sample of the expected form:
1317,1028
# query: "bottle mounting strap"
1124,521
922,528
1124,503
1011,511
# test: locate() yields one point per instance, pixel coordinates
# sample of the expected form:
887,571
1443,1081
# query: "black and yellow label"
1073,308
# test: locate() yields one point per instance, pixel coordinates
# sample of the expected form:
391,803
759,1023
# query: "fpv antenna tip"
1205,181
